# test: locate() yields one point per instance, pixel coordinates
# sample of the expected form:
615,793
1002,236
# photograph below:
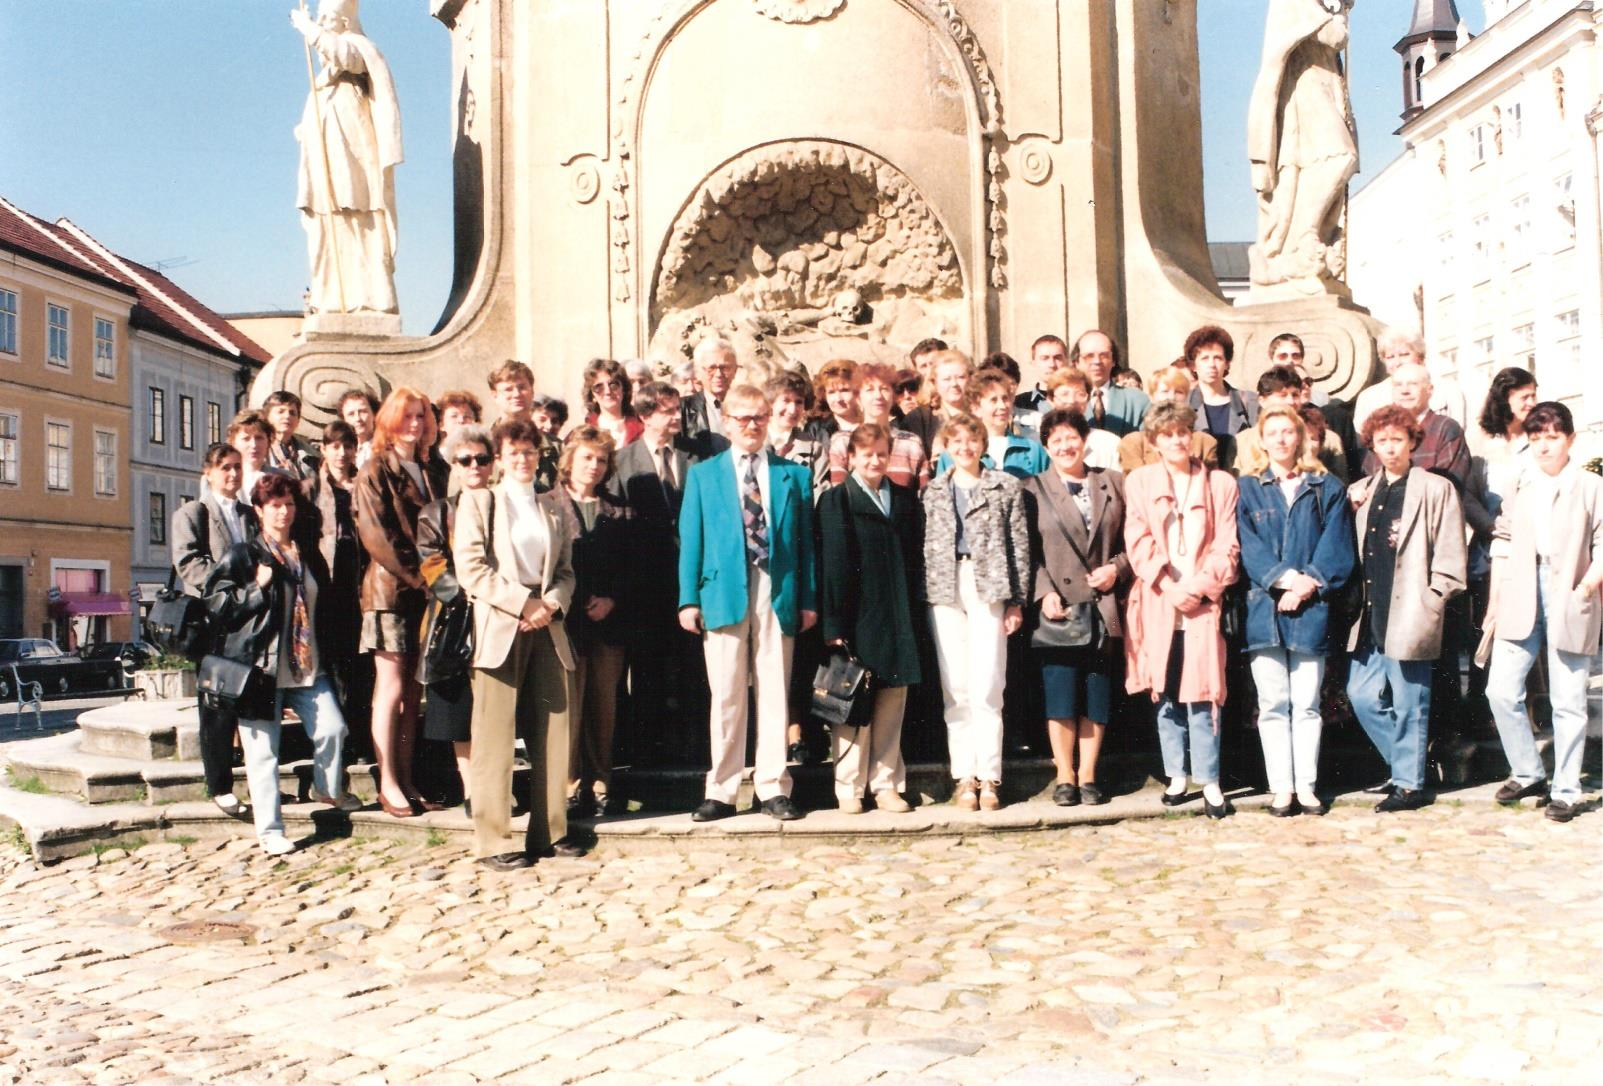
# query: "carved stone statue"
350,137
1304,149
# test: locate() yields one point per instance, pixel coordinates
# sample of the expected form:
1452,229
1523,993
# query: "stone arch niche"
723,89
806,250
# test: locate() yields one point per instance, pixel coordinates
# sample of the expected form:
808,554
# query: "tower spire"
1432,37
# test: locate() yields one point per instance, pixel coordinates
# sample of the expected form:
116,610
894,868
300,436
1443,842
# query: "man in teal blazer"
746,584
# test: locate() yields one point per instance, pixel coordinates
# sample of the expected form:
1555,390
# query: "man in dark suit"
702,413
668,674
202,532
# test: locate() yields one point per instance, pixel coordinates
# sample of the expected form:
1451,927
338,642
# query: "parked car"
33,659
133,654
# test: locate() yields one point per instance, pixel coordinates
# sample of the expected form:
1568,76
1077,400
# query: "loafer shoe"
1559,811
346,803
1066,795
711,810
892,802
1221,811
1513,791
1384,788
1284,812
1091,794
568,849
1404,799
1174,799
507,861
1314,806
782,808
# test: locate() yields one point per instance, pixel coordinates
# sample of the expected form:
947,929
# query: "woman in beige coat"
514,560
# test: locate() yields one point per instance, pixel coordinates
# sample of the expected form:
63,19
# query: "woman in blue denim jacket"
1297,550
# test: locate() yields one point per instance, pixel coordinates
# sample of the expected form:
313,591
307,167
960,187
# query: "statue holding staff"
1303,146
350,138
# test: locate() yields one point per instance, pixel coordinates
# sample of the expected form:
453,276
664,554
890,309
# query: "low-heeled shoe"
1066,795
1513,791
1559,811
507,861
1404,799
1284,812
782,808
567,849
1174,799
1223,809
711,810
1090,793
1318,810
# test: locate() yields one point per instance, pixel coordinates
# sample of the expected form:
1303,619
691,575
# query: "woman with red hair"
393,487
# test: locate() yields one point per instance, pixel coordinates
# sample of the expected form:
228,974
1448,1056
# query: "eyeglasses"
468,460
607,386
744,421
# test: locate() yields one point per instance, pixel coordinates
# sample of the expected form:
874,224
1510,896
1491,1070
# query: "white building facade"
1485,232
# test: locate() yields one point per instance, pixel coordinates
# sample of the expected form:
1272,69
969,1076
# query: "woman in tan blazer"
1547,566
514,560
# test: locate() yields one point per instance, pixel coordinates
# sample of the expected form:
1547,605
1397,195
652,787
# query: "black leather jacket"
254,623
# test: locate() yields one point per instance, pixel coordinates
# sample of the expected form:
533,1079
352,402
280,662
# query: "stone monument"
821,178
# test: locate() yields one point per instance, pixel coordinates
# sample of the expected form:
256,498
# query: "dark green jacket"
872,577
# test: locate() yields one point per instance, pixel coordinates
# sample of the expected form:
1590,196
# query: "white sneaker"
276,844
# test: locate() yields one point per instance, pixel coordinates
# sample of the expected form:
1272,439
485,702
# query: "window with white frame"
1481,248
106,463
1524,353
58,456
1486,350
1568,325
1564,204
1513,124
186,422
105,348
1477,145
158,416
1519,231
214,423
58,345
158,517
8,322
10,445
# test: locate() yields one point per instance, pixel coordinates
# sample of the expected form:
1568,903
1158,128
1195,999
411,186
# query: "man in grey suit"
667,668
702,419
202,532
1113,408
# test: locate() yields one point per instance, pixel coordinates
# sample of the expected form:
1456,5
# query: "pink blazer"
1149,618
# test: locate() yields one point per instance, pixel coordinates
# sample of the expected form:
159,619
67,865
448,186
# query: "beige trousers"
753,652
529,696
871,757
597,672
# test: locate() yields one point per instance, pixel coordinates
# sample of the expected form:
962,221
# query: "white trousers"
1289,725
871,757
753,652
972,650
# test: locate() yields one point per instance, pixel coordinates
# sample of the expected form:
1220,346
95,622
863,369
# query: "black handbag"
228,684
178,623
839,689
448,647
1080,625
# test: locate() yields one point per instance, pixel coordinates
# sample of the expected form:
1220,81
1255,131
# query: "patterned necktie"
756,521
1098,411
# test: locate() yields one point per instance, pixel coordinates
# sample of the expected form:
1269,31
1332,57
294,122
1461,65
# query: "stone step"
145,731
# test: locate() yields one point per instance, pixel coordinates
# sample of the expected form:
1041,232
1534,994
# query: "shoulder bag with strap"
1079,626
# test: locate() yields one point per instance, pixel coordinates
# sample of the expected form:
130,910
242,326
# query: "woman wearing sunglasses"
608,401
448,709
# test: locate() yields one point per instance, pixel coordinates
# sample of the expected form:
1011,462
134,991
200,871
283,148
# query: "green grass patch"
185,839
30,783
128,844
435,838
18,840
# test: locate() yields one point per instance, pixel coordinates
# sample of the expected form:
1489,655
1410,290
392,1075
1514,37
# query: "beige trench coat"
1430,567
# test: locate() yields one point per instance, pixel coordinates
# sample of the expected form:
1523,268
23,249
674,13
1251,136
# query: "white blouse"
531,538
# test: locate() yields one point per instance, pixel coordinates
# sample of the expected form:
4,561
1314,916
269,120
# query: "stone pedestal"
340,326
630,174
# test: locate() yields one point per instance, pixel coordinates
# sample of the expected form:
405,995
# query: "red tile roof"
160,306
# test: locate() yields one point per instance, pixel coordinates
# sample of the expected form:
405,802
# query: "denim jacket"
1023,458
1313,535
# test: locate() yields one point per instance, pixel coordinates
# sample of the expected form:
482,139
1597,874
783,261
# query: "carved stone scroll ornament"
798,11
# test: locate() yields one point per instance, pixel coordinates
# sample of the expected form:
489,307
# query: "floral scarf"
300,661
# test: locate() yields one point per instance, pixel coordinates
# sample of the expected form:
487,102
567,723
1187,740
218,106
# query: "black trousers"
217,729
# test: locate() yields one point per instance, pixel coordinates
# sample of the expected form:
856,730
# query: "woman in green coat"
871,546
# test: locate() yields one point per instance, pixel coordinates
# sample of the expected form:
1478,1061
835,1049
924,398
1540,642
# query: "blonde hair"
949,356
1172,376
1309,460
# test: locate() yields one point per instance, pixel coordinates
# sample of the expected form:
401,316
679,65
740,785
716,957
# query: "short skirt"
391,631
448,710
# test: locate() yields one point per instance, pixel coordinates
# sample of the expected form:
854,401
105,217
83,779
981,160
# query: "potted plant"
166,678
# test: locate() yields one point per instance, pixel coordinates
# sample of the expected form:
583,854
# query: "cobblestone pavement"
1459,944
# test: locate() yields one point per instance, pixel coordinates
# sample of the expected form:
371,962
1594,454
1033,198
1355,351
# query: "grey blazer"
1058,567
200,539
1430,566
998,535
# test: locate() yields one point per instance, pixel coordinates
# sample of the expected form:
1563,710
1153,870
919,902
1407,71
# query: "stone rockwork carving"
810,250
798,11
1304,149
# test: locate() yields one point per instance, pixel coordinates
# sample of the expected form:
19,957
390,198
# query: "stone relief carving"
798,11
1558,91
1303,147
808,251
941,13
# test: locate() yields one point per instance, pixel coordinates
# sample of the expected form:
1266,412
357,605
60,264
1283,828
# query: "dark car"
34,659
133,654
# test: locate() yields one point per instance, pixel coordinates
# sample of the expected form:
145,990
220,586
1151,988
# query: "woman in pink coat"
1180,534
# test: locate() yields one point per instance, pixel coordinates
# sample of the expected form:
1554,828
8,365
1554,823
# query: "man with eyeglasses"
667,676
746,584
703,412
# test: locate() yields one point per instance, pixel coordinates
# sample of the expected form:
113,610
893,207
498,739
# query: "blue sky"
164,127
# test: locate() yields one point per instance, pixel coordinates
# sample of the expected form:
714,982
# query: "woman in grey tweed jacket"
977,577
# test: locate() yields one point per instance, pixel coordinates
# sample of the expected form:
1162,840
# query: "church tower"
1432,37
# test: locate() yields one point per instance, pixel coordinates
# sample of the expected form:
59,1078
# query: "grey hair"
470,433
1396,337
709,347
684,371
637,368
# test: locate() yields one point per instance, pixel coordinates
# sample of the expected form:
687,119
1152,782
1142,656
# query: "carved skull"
848,307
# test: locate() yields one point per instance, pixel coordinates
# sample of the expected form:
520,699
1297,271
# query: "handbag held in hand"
840,690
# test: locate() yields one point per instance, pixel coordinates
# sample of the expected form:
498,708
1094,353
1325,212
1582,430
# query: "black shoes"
1513,791
1066,795
507,861
1092,795
782,808
1224,809
1384,788
567,849
711,810
1317,809
1404,799
1174,799
1559,811
1284,812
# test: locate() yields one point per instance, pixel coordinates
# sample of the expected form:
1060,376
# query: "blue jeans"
1392,701
1566,680
320,715
1176,723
